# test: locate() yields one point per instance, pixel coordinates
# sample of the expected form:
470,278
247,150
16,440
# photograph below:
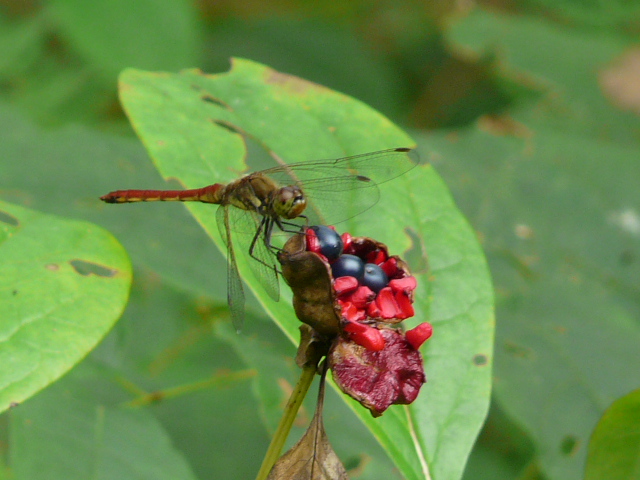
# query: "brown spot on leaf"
620,81
503,125
292,83
524,232
86,269
53,267
417,256
480,360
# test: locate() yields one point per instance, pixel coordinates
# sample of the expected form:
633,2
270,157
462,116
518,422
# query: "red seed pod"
374,363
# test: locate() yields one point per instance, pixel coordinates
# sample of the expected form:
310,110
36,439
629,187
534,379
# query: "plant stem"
284,427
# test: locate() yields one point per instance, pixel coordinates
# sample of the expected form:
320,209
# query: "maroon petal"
378,379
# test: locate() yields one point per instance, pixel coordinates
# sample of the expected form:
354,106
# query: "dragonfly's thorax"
261,194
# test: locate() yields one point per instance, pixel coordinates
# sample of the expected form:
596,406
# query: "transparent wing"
235,292
249,237
340,189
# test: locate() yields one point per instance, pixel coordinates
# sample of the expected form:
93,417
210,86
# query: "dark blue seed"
347,266
330,242
374,277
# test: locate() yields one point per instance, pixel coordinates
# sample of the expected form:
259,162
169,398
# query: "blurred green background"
529,109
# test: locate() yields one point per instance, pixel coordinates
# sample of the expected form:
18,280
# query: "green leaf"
308,47
63,284
66,181
63,434
614,14
560,227
116,34
20,45
574,84
178,118
552,190
614,449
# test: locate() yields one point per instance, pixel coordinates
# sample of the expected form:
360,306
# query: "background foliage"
529,110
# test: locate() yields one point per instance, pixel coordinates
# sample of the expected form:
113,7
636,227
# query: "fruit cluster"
353,295
370,285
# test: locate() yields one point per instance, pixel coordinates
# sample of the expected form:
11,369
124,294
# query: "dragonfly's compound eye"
290,202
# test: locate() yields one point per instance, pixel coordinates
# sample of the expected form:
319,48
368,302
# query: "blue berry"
348,266
374,277
330,242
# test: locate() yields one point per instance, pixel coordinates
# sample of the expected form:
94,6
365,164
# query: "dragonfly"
289,197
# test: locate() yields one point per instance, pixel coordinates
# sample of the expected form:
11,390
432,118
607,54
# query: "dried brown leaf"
312,458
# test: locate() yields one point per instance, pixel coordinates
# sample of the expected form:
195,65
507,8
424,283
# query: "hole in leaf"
569,445
480,359
416,255
215,101
9,219
89,268
226,125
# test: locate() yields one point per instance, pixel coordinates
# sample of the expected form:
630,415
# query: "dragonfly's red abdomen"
208,194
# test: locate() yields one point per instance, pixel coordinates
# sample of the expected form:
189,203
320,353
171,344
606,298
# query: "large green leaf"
614,14
614,448
64,434
114,34
554,194
63,284
175,116
560,229
574,84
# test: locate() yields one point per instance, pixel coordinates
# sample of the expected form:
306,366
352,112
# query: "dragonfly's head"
289,202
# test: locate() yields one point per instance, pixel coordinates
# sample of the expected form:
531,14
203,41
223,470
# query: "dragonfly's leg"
266,226
256,237
290,227
267,238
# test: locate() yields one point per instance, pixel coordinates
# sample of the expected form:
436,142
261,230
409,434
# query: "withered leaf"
312,458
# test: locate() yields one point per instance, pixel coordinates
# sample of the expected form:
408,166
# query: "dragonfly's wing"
249,236
340,189
235,292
